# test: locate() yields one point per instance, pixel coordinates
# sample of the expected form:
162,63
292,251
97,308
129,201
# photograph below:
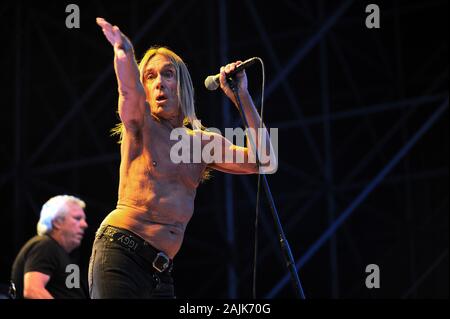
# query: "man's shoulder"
37,240
41,242
36,245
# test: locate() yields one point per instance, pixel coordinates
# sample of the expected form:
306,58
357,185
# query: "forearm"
259,135
37,293
131,91
127,73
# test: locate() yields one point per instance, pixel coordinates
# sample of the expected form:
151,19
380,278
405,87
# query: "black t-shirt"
45,255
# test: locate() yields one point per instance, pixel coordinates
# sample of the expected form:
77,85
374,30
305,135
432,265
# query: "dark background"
346,99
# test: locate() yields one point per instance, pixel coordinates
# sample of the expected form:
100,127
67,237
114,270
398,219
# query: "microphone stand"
284,245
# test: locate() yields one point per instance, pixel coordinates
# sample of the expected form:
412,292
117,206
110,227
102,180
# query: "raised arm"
131,91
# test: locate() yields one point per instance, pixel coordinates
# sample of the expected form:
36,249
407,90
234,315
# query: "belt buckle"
161,262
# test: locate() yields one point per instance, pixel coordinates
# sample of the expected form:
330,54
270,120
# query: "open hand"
118,40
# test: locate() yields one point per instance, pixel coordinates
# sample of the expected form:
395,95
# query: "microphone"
212,82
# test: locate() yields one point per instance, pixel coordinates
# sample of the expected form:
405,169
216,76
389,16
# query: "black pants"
121,267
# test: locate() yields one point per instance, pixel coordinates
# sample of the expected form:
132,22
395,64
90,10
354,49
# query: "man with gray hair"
40,269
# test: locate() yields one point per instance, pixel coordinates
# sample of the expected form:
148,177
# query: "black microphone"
212,82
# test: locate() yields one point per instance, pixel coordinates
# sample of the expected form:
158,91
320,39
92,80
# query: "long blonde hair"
185,91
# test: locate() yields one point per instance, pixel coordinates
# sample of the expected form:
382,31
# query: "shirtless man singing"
132,255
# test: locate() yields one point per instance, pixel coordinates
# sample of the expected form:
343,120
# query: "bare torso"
156,196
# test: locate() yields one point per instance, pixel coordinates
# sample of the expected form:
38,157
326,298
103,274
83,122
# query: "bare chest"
171,158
